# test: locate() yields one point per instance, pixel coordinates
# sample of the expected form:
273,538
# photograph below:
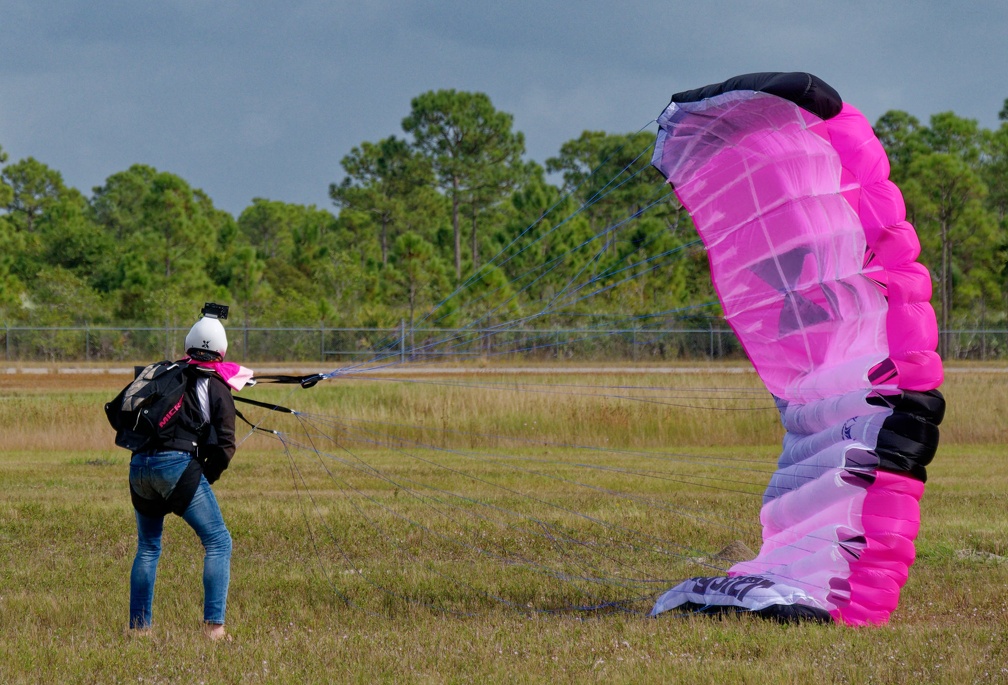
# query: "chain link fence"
277,344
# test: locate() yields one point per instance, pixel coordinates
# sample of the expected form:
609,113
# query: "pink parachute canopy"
815,267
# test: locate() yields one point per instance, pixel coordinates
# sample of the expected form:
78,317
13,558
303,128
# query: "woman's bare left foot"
215,632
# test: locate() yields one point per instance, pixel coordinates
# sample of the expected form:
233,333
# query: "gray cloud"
255,98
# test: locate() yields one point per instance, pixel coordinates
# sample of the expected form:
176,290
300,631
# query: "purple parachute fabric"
815,267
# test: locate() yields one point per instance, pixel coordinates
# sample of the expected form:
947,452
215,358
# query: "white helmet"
207,335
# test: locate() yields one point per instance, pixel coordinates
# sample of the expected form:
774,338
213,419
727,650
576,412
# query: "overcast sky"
252,99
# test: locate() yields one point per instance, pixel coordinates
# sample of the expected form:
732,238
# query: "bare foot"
215,632
139,632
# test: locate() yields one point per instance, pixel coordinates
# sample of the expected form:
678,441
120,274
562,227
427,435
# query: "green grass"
305,605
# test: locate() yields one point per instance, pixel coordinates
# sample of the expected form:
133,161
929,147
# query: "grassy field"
381,545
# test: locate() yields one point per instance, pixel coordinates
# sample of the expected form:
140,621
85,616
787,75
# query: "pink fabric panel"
881,205
891,517
853,138
921,370
918,332
897,245
910,282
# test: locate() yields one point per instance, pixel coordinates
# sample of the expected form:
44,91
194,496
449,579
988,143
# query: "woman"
173,475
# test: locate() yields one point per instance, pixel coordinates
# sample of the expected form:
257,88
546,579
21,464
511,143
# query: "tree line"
422,212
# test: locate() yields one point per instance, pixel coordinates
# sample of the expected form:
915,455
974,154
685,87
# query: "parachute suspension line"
302,418
594,199
493,261
573,390
651,263
757,398
343,553
602,193
553,262
414,524
541,525
634,216
499,259
591,571
547,268
599,195
301,492
727,463
409,486
660,457
254,427
544,270
347,489
608,231
536,520
552,306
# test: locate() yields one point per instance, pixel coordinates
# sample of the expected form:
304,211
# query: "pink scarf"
234,375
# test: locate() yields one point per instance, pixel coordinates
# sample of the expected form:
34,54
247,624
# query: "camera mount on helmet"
213,310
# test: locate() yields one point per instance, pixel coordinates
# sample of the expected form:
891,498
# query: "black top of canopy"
805,90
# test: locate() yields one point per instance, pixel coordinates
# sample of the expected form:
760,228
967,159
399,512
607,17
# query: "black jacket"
212,449
216,445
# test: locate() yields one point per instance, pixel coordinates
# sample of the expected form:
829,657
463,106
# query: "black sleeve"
220,444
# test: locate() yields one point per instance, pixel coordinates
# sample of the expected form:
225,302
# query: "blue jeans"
158,472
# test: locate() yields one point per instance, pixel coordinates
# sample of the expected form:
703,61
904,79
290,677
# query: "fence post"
402,340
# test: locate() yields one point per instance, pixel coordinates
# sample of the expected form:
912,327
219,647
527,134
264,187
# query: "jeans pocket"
155,475
166,470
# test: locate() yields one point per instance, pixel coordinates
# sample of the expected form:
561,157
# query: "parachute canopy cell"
816,269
